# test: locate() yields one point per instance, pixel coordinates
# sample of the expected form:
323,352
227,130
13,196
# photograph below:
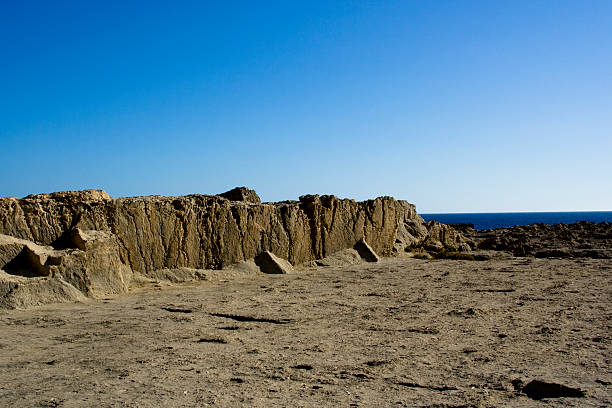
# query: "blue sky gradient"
456,106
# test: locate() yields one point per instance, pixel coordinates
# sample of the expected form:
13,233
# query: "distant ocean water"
499,220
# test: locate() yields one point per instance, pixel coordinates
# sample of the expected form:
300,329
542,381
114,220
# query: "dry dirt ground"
402,332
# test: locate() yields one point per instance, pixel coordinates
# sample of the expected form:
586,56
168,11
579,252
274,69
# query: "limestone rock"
10,248
365,251
25,258
242,194
178,275
270,263
85,240
73,196
206,232
96,243
410,234
344,257
579,240
96,271
17,292
443,237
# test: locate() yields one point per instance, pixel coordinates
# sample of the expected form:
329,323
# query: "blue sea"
499,220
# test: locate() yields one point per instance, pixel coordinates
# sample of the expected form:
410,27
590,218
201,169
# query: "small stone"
242,194
270,263
365,251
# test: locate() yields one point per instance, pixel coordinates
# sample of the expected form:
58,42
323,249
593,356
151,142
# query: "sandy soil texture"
401,332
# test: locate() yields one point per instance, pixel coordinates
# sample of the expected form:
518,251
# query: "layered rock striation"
201,231
95,243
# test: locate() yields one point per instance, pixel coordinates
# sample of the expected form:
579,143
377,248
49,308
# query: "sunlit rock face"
200,231
96,243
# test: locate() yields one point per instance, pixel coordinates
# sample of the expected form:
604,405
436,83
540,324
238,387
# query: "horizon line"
512,212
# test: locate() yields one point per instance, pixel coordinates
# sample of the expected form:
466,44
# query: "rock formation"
242,194
270,263
365,251
578,240
95,244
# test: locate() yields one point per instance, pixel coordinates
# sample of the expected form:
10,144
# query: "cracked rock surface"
99,245
207,232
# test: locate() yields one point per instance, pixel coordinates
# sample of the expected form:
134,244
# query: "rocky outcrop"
365,251
414,234
96,270
270,263
242,194
206,232
32,274
579,240
18,292
443,237
96,243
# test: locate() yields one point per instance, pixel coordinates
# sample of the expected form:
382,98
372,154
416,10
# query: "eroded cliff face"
199,231
85,233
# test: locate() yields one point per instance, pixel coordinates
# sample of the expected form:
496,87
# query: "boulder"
24,258
410,234
365,251
95,271
443,237
10,248
270,263
242,194
85,240
17,292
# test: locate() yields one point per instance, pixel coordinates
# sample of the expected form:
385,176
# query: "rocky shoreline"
579,240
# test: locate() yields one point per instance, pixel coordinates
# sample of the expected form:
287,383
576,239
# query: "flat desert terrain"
398,333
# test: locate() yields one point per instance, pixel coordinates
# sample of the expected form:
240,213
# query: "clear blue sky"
456,106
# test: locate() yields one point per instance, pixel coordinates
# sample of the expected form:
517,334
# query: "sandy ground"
402,332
